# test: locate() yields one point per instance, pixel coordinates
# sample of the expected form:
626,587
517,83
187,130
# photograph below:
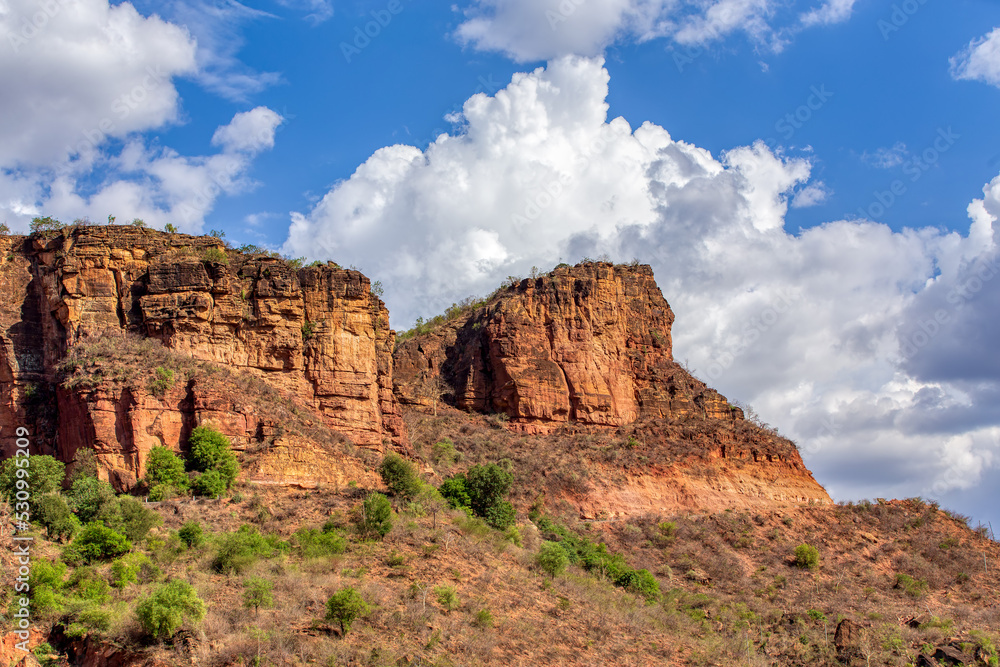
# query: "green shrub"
32,475
314,543
164,612
400,476
96,542
215,256
552,559
483,619
88,585
210,484
513,536
806,557
210,451
447,597
46,224
165,469
454,491
161,382
53,512
913,587
238,551
374,517
192,534
501,515
136,519
344,607
444,453
131,569
45,582
640,582
257,594
46,655
95,500
487,486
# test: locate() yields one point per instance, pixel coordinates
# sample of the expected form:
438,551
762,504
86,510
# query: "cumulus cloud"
824,331
980,60
84,81
531,30
249,132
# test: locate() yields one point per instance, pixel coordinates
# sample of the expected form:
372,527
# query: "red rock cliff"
588,344
318,334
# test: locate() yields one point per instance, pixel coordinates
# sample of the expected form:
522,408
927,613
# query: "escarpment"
589,348
318,335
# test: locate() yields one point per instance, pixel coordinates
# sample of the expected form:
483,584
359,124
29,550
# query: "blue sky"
816,183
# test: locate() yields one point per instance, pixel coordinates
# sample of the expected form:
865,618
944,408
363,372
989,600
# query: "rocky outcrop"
589,344
589,348
317,333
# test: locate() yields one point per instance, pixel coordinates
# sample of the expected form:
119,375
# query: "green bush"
400,476
132,569
444,452
257,594
215,256
447,597
344,607
95,500
210,452
163,613
32,475
161,382
238,551
913,587
165,469
314,543
640,582
487,486
136,519
45,582
210,484
192,534
552,559
96,542
87,584
453,490
806,557
374,517
46,224
501,515
53,512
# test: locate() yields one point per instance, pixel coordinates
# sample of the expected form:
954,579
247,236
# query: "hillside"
691,534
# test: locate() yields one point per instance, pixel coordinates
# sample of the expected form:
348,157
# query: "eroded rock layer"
317,333
588,344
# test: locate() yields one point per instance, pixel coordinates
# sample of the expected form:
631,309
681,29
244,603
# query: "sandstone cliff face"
589,344
587,349
317,333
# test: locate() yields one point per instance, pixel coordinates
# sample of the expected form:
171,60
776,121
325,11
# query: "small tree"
94,499
191,534
806,557
374,517
97,542
163,613
210,451
487,485
257,594
455,492
447,597
169,228
136,519
46,224
344,607
165,468
400,476
53,512
552,559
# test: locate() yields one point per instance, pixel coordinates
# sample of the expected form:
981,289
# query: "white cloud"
249,132
813,194
83,82
816,329
980,60
532,30
887,158
832,11
88,71
317,11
